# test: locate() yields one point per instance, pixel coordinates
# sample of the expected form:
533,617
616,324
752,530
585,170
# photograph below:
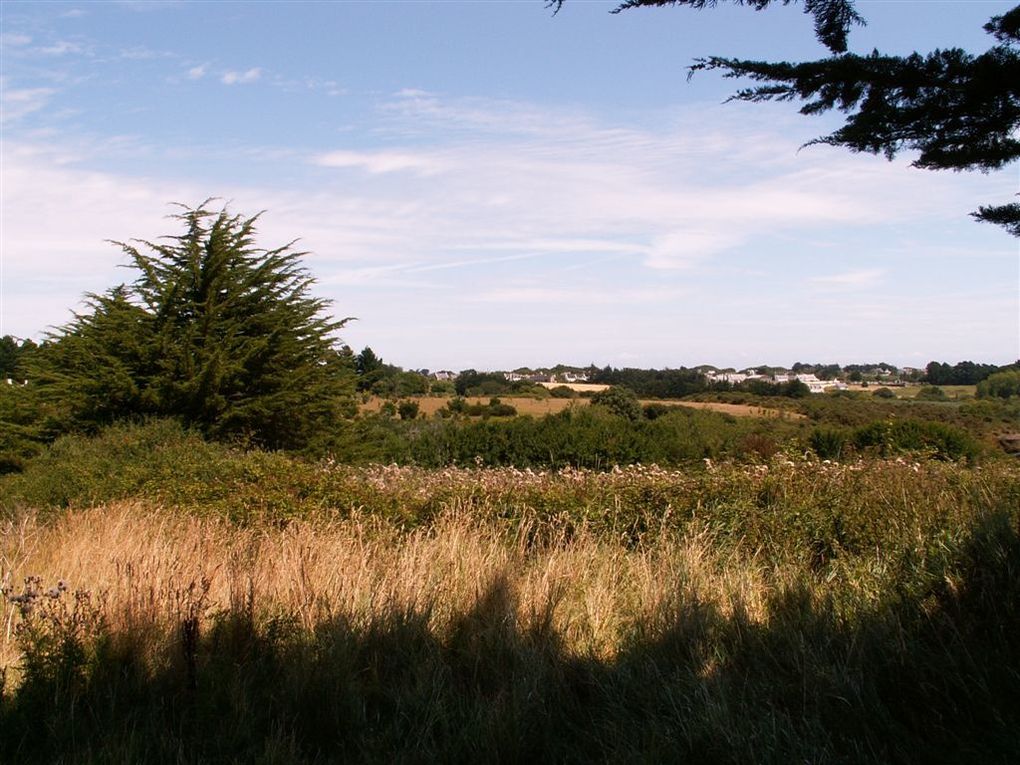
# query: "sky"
487,185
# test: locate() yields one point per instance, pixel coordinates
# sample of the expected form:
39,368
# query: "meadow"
168,599
538,407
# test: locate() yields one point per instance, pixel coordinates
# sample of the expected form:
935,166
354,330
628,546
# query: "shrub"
1004,384
562,391
408,410
655,410
916,436
829,443
931,393
621,401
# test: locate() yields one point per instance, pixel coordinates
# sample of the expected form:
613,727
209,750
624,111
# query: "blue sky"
486,185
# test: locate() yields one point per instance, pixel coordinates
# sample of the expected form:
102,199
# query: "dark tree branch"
833,18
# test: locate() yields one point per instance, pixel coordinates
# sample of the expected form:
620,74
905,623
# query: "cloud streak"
850,279
241,78
377,162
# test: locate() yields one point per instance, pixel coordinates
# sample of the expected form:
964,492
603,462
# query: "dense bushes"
1005,384
942,441
889,438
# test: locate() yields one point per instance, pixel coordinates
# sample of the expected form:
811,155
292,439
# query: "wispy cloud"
850,279
687,246
241,78
577,296
61,48
198,72
14,40
141,53
381,161
16,103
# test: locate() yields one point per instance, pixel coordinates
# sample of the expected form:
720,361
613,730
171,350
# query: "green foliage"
883,393
460,407
20,435
470,382
442,388
621,401
653,383
562,391
655,410
938,440
829,443
214,331
408,410
931,393
590,437
788,389
13,357
1004,384
963,373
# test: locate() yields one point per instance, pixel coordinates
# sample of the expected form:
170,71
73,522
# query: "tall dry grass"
223,606
492,630
147,566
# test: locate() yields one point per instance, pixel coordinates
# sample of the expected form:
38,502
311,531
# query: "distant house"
814,384
444,374
820,386
574,377
731,377
535,377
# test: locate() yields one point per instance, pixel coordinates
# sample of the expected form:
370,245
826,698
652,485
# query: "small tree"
215,331
620,401
408,410
1004,384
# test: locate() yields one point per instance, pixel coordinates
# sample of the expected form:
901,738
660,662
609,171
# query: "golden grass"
737,410
148,568
579,387
537,407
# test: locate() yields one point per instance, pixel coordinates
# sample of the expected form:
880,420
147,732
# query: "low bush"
915,436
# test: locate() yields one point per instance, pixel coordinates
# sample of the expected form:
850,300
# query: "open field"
537,407
951,391
911,391
737,410
792,612
579,387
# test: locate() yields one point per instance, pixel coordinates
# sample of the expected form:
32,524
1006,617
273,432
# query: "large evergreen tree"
215,331
958,110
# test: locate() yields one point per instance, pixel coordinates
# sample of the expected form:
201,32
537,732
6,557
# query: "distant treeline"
964,373
678,383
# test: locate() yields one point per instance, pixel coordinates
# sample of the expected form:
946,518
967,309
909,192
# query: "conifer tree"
214,331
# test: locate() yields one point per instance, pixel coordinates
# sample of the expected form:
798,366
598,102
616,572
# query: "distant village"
818,379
